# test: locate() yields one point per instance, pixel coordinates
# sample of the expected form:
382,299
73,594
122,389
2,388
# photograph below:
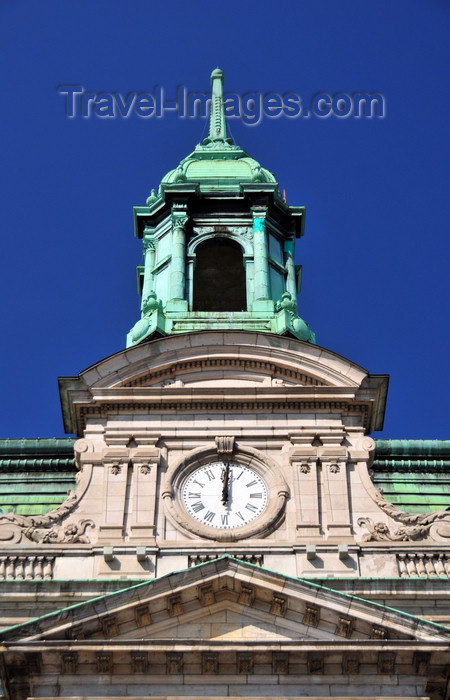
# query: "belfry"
226,534
218,244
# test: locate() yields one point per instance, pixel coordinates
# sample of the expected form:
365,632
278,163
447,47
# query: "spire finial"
217,122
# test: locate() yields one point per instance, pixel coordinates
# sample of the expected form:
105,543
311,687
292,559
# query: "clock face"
224,495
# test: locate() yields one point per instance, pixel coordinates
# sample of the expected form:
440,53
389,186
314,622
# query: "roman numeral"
210,475
256,495
197,506
224,519
209,517
251,507
240,515
198,483
193,495
251,483
238,477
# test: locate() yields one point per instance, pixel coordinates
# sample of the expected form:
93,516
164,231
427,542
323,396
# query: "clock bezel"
264,466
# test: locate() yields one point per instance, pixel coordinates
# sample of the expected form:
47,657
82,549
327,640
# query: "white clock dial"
224,495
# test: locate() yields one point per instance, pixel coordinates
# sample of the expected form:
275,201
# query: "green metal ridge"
24,446
37,454
413,449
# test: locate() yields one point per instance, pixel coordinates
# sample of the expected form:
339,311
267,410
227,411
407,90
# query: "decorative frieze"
280,662
104,662
210,662
386,662
244,662
350,664
174,663
422,662
69,662
139,662
315,663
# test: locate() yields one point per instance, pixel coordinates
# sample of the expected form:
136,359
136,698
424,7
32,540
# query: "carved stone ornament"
45,529
415,526
335,468
225,445
305,468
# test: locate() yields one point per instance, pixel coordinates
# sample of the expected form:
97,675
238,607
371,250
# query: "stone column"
149,263
261,296
178,263
291,282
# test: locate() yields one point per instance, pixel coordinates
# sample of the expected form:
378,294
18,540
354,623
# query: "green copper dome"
217,163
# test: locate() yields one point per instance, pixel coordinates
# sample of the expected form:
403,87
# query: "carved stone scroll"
415,526
45,529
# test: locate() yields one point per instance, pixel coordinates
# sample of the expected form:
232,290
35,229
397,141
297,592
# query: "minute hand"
225,480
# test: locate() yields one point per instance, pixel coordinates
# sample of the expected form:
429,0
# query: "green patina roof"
414,475
36,474
217,162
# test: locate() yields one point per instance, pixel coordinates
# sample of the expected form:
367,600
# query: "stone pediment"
227,600
225,629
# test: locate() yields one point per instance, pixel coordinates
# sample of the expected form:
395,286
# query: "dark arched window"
219,276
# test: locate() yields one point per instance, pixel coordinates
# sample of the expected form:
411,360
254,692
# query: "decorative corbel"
225,446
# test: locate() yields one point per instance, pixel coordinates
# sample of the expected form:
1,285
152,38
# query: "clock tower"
223,428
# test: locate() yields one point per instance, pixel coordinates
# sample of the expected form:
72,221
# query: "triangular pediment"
225,600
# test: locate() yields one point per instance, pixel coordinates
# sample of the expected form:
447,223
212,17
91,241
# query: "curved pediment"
214,370
237,359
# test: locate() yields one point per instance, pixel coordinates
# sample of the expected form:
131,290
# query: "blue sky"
376,249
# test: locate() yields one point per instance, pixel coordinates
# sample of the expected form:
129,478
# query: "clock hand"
225,480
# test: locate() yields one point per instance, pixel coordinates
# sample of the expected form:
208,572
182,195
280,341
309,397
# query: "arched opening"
219,276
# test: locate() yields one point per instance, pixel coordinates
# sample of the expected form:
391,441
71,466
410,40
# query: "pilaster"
115,480
145,463
335,488
304,460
